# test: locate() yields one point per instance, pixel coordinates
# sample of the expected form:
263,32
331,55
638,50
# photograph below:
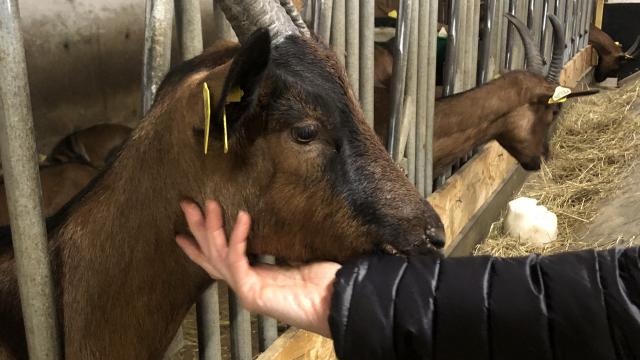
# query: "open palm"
298,296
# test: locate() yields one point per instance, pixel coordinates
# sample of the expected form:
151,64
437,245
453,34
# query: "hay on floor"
595,144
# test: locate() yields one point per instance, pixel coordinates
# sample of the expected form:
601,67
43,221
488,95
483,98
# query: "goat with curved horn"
557,59
248,15
534,59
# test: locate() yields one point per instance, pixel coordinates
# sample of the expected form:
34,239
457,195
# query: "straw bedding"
594,147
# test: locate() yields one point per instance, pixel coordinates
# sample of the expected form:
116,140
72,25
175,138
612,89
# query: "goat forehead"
310,83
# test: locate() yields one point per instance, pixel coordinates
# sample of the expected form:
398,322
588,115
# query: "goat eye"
304,134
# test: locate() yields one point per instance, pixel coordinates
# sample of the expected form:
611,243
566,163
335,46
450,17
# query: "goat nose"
436,237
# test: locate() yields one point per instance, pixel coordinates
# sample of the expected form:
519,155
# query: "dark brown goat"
301,160
501,110
95,145
60,183
611,57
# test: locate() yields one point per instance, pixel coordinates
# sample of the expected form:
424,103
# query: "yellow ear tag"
235,95
224,125
617,43
560,95
393,14
207,114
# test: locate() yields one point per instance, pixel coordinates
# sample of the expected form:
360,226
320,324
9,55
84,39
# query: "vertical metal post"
24,196
157,48
411,90
352,28
399,77
155,65
267,327
240,321
474,35
484,74
462,49
189,26
425,98
452,49
367,23
208,322
322,19
431,92
508,61
543,29
338,28
222,29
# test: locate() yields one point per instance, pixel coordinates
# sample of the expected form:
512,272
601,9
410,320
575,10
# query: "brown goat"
60,183
501,110
95,145
301,160
611,57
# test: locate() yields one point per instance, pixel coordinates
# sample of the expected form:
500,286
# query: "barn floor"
619,214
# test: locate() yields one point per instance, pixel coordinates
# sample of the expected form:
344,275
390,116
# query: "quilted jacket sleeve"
579,305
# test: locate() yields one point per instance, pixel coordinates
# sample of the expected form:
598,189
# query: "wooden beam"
599,13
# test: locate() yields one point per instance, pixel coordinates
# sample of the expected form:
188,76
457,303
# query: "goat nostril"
436,237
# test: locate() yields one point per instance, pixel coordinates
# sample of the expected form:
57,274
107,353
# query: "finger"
236,256
195,220
192,251
215,228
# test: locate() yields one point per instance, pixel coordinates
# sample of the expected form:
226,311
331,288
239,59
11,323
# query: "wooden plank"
469,188
479,226
599,13
300,345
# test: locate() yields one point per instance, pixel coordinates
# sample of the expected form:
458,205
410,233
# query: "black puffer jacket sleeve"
580,305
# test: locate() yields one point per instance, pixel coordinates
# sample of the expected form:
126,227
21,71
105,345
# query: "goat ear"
243,82
583,93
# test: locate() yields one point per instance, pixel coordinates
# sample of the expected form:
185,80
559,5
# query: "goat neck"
469,119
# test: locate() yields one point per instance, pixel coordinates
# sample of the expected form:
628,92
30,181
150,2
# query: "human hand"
298,296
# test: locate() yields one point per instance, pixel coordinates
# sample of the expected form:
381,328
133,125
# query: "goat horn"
557,59
294,15
248,15
631,51
534,59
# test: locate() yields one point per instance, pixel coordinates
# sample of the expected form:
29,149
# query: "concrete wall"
84,60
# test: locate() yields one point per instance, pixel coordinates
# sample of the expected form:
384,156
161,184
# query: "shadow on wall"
620,21
84,59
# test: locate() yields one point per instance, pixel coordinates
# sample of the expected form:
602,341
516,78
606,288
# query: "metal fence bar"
424,82
222,29
367,23
155,65
508,61
240,324
157,48
352,38
411,90
484,73
431,93
189,26
322,22
338,28
543,30
398,78
267,327
208,322
24,195
462,48
452,62
189,29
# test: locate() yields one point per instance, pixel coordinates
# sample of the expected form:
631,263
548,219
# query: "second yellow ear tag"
206,97
393,14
